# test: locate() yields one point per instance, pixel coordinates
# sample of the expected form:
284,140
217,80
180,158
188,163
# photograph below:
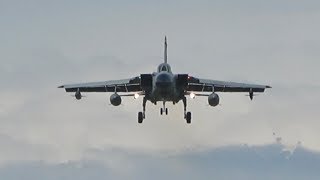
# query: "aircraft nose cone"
163,80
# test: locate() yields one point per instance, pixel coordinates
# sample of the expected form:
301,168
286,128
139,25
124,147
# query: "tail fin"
165,50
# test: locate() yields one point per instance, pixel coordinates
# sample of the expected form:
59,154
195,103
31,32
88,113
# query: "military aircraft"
164,86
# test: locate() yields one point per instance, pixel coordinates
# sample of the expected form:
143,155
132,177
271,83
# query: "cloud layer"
235,162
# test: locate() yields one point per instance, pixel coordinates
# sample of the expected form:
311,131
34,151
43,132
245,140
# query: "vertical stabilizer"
165,50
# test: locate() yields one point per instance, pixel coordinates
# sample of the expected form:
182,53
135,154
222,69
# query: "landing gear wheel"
188,117
161,111
166,111
140,117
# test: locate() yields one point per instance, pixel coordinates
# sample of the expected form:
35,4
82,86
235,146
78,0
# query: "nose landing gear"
164,109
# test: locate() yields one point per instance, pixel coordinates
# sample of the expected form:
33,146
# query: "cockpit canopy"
164,67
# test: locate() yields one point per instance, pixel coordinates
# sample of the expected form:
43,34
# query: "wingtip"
268,87
61,86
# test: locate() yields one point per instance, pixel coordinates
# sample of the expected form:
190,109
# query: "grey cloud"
223,163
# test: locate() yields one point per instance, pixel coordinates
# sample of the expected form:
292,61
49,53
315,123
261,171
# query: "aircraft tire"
188,117
140,117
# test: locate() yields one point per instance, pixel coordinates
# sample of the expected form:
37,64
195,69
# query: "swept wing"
208,85
122,85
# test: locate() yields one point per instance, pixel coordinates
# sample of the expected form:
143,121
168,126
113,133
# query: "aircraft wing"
123,85
207,85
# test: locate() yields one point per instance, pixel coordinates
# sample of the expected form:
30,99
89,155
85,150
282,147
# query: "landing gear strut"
142,115
187,115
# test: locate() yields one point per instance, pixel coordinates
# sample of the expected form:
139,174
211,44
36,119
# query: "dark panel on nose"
163,80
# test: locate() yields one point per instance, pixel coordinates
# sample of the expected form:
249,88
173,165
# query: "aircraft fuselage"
164,86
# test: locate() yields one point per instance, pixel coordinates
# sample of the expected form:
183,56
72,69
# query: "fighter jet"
164,86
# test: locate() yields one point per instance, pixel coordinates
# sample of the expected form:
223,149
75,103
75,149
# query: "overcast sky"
44,44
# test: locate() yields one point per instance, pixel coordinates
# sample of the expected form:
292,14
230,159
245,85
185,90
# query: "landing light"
136,96
192,95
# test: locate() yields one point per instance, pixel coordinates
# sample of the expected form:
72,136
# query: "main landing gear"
142,115
187,115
